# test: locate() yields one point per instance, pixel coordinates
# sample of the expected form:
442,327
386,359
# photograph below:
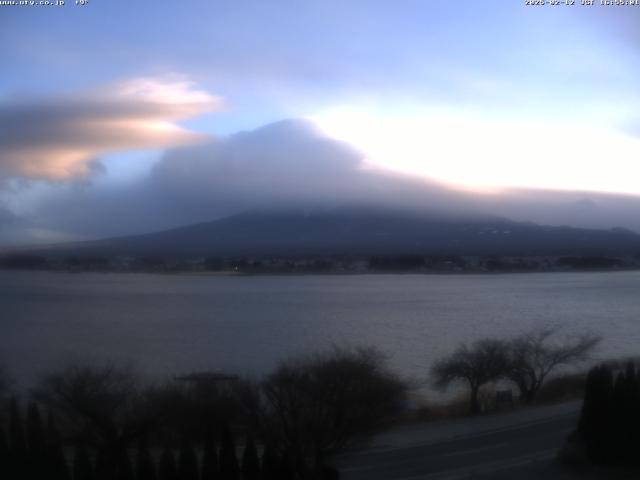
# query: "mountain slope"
359,232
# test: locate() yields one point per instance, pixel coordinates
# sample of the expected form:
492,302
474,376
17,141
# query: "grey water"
172,324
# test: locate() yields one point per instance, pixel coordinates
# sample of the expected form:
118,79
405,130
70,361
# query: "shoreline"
214,273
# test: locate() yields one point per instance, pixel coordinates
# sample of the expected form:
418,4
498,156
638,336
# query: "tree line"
33,449
102,422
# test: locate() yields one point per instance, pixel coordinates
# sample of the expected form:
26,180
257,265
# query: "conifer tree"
329,473
36,443
17,441
187,461
250,461
209,461
229,468
629,408
634,420
270,463
56,461
82,466
145,467
35,431
167,469
594,425
105,469
18,461
618,426
4,453
124,468
126,471
624,420
286,470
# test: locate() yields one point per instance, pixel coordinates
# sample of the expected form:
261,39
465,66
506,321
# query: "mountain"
358,231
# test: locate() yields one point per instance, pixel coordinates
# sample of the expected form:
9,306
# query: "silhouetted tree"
36,443
270,464
17,440
619,419
594,425
289,468
167,468
145,467
484,361
209,461
318,406
623,427
82,466
4,452
329,473
229,468
533,356
632,411
187,461
124,468
105,467
56,461
250,461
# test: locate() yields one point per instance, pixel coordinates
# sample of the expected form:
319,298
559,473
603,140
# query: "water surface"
168,324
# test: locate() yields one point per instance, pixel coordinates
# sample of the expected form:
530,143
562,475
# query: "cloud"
7,217
60,137
13,229
288,164
276,163
463,148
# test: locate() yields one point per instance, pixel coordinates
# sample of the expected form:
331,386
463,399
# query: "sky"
124,117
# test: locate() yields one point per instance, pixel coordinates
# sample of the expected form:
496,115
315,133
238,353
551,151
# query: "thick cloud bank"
58,138
289,164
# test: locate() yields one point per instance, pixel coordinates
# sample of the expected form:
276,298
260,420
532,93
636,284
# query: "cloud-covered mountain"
454,90
359,231
284,165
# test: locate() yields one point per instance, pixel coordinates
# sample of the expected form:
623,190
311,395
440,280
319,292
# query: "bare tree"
315,407
99,406
533,356
482,362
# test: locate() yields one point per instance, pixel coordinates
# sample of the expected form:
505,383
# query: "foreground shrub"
314,407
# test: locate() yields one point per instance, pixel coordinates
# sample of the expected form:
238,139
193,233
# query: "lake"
168,324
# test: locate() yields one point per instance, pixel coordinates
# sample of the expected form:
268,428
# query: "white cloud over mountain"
289,164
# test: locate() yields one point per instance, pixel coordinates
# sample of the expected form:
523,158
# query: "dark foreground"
525,451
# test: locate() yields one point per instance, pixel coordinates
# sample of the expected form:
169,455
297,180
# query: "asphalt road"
528,447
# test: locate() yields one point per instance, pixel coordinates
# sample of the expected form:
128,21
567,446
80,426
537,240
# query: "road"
527,448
